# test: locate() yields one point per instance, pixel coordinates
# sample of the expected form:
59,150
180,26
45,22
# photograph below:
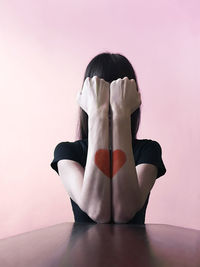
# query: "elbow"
97,217
103,221
124,210
100,217
97,212
124,216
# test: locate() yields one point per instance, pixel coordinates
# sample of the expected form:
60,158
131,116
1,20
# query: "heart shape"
102,161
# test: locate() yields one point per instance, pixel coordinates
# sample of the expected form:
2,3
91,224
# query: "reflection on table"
84,244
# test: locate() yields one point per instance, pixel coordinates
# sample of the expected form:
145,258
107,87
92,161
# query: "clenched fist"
94,96
124,97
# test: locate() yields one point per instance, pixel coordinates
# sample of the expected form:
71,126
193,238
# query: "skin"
126,196
95,194
123,98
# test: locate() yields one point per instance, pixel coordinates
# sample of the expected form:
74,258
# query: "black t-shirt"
144,150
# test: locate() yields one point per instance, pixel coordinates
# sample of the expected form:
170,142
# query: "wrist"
100,113
120,113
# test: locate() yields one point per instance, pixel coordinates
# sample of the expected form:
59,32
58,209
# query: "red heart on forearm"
102,160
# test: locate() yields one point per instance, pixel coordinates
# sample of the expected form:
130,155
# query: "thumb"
78,97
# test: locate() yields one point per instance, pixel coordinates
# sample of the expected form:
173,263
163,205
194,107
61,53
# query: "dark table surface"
83,244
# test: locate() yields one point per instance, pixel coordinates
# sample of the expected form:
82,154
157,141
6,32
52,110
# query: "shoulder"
147,143
150,151
67,150
148,147
68,146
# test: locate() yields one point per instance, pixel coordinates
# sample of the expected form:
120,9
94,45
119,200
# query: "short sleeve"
66,150
152,153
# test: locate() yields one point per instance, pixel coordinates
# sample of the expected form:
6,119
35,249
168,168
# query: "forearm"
95,194
125,189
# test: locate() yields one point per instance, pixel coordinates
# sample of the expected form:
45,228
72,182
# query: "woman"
109,173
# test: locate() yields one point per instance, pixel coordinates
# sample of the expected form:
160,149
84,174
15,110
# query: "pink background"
45,47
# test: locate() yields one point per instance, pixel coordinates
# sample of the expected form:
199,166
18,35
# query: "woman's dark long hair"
109,67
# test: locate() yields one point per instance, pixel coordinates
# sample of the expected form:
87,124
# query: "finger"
112,83
78,96
87,80
95,81
139,94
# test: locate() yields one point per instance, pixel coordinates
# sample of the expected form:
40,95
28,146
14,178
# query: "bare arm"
126,196
95,197
125,188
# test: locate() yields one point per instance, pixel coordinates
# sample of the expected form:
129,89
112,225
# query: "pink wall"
45,47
